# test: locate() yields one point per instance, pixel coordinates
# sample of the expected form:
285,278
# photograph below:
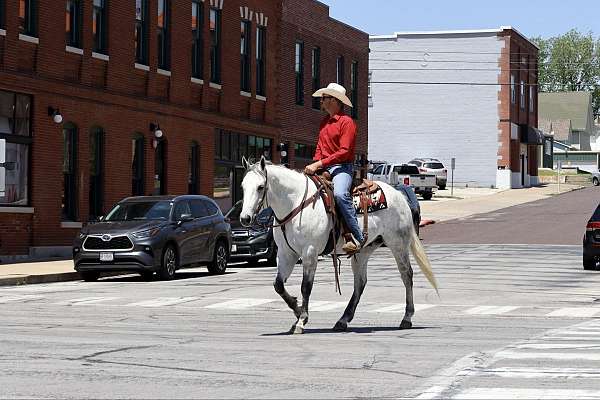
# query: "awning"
531,135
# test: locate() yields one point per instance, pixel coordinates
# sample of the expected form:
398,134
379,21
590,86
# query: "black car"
591,241
155,234
252,243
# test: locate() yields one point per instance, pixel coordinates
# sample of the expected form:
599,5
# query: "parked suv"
255,242
432,166
155,234
591,241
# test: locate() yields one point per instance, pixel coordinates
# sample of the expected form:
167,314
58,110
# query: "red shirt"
337,138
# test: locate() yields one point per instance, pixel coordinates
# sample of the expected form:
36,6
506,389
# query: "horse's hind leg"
403,262
359,270
285,266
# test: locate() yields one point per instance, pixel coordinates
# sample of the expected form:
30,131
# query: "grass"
563,172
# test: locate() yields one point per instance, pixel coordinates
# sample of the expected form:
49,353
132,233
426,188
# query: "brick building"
469,95
103,99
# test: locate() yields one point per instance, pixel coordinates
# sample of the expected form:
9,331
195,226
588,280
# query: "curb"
47,278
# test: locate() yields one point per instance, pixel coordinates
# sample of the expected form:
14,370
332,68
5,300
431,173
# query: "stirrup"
350,248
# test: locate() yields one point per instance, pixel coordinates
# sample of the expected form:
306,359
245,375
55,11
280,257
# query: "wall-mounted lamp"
55,114
158,133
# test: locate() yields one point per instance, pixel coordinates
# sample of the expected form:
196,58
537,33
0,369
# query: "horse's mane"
256,167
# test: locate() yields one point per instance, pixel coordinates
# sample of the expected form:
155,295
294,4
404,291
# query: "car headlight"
148,233
258,233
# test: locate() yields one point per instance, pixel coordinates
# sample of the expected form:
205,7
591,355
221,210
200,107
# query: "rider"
335,153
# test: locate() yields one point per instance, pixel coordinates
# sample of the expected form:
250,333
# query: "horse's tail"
422,259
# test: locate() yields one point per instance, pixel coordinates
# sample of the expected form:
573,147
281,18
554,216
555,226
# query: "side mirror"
186,218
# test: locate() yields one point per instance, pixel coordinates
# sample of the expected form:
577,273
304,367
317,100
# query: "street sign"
453,163
2,169
452,166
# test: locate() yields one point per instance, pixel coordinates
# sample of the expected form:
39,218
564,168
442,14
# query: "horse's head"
254,186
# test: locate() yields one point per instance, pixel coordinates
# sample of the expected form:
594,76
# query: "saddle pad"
376,202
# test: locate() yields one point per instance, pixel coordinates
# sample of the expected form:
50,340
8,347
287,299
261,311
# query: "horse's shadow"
360,330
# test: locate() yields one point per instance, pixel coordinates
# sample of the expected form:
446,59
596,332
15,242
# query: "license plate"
107,256
233,248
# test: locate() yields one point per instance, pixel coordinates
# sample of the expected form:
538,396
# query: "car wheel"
219,263
596,181
90,276
427,196
589,263
168,265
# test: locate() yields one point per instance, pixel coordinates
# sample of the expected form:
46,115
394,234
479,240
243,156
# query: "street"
508,318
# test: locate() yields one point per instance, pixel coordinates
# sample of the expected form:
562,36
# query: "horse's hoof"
405,325
340,326
296,330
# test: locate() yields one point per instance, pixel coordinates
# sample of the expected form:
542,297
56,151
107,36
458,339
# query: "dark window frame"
193,168
261,62
138,162
299,71
100,24
354,89
215,45
141,33
97,151
160,168
2,14
74,28
70,194
164,35
245,54
28,23
340,70
316,76
198,40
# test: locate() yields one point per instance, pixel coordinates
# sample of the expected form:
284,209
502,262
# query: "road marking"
402,307
537,373
20,299
162,301
490,310
517,393
86,300
238,304
575,312
514,355
546,346
326,305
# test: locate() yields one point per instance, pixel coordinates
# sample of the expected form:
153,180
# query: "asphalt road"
559,219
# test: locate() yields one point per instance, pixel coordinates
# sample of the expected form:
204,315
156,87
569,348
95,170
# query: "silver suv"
432,166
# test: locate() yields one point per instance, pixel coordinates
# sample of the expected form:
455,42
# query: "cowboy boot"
350,247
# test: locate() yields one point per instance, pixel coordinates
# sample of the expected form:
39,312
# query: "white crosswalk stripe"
20,299
580,312
490,310
542,373
162,302
238,304
326,305
401,308
518,393
86,300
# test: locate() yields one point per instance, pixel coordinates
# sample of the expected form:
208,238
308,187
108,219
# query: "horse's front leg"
285,266
308,277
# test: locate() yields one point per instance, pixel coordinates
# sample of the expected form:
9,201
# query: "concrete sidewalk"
443,207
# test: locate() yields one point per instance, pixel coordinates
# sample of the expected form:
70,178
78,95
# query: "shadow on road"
366,329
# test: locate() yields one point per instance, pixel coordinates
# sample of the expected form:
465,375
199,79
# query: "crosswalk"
264,304
559,364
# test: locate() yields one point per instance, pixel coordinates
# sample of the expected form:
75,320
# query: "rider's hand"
311,169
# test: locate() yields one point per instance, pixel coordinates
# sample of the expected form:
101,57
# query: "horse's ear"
245,162
263,163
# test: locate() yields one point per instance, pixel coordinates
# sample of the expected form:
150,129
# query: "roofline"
453,32
338,21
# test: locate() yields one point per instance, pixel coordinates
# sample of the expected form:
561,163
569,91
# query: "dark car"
155,234
591,241
252,243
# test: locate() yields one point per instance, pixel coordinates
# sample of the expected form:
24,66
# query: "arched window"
193,168
70,164
137,165
96,172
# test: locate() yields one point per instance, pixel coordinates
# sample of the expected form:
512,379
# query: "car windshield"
434,165
140,211
406,169
263,218
596,216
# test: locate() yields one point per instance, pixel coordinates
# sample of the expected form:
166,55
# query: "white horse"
283,189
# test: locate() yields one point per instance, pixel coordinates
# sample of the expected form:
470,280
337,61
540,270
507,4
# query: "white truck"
405,174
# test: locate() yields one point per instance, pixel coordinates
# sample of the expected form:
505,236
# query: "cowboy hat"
334,90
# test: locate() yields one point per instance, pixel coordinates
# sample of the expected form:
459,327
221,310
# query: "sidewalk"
443,207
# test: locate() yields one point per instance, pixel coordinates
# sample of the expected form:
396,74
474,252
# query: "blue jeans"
342,181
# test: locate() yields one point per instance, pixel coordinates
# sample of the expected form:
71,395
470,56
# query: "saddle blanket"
376,201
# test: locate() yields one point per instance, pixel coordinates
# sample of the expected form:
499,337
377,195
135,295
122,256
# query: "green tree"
570,62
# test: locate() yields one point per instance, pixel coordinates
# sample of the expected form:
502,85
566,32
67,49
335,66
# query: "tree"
570,62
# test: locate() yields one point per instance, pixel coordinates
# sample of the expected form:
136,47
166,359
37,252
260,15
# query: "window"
15,143
96,173
197,41
99,27
231,146
261,62
193,169
531,104
245,56
299,68
370,85
164,33
69,192
522,97
513,94
181,207
2,14
141,31
73,23
316,76
354,88
215,45
28,17
137,165
340,70
198,208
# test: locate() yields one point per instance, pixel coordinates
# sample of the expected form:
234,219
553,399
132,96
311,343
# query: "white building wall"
440,121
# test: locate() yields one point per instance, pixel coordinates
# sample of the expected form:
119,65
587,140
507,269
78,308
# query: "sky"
530,17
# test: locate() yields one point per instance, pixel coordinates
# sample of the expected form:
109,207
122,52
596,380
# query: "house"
576,107
469,95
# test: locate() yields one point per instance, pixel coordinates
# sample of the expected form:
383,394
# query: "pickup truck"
405,174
